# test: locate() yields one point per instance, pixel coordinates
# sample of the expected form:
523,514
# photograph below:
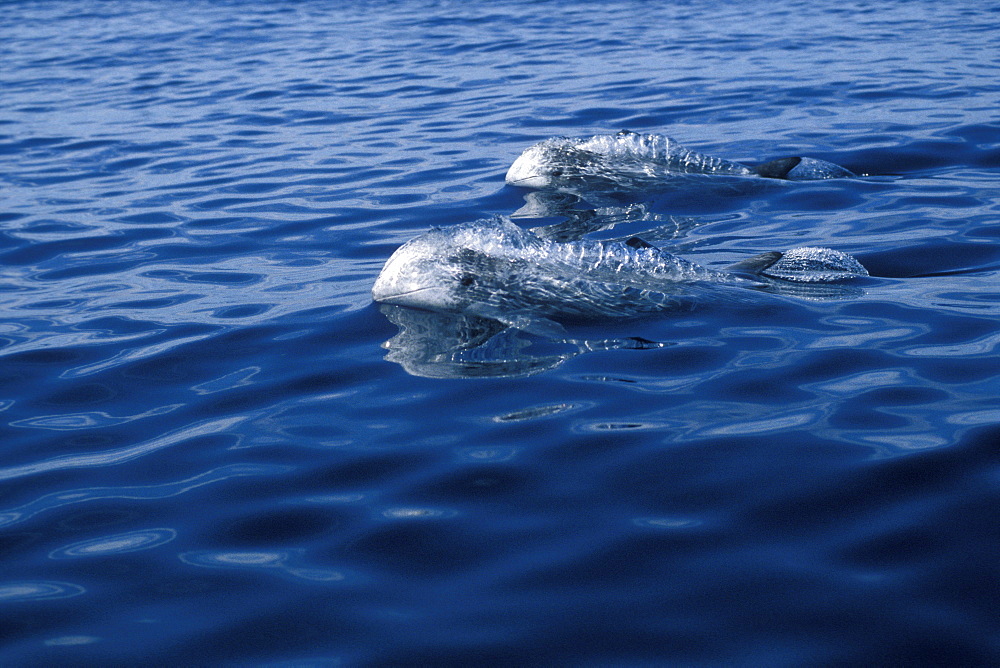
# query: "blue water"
205,457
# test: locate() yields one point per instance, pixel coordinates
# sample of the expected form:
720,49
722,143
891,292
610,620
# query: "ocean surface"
216,450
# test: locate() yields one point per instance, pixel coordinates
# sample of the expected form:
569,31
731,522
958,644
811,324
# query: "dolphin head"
554,164
420,275
533,169
564,164
449,269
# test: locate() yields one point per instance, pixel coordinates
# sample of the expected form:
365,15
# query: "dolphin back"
631,147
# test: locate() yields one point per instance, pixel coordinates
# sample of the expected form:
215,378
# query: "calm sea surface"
215,449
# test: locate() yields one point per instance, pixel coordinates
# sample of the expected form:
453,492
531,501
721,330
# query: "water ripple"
38,590
120,455
92,420
133,541
166,490
276,561
71,641
417,513
982,346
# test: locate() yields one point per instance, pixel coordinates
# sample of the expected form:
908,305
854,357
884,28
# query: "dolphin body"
496,270
631,160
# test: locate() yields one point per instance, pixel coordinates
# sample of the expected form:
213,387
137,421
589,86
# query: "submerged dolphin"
497,270
630,159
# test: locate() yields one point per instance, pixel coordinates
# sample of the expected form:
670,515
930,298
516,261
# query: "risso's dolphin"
494,269
628,159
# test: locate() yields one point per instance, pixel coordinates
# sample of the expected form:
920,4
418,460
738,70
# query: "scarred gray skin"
494,269
631,160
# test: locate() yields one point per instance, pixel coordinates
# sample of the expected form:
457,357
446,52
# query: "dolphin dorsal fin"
636,242
777,169
756,264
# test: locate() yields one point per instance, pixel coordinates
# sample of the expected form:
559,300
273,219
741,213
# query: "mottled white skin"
628,159
495,269
528,170
615,158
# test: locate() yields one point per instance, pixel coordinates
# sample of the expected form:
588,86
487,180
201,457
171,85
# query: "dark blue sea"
216,450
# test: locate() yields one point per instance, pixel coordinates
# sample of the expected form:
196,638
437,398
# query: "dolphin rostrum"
494,269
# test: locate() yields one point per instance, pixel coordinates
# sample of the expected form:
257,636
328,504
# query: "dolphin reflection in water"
452,345
628,160
492,269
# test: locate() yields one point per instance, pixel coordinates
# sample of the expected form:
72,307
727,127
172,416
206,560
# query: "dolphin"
631,160
496,270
